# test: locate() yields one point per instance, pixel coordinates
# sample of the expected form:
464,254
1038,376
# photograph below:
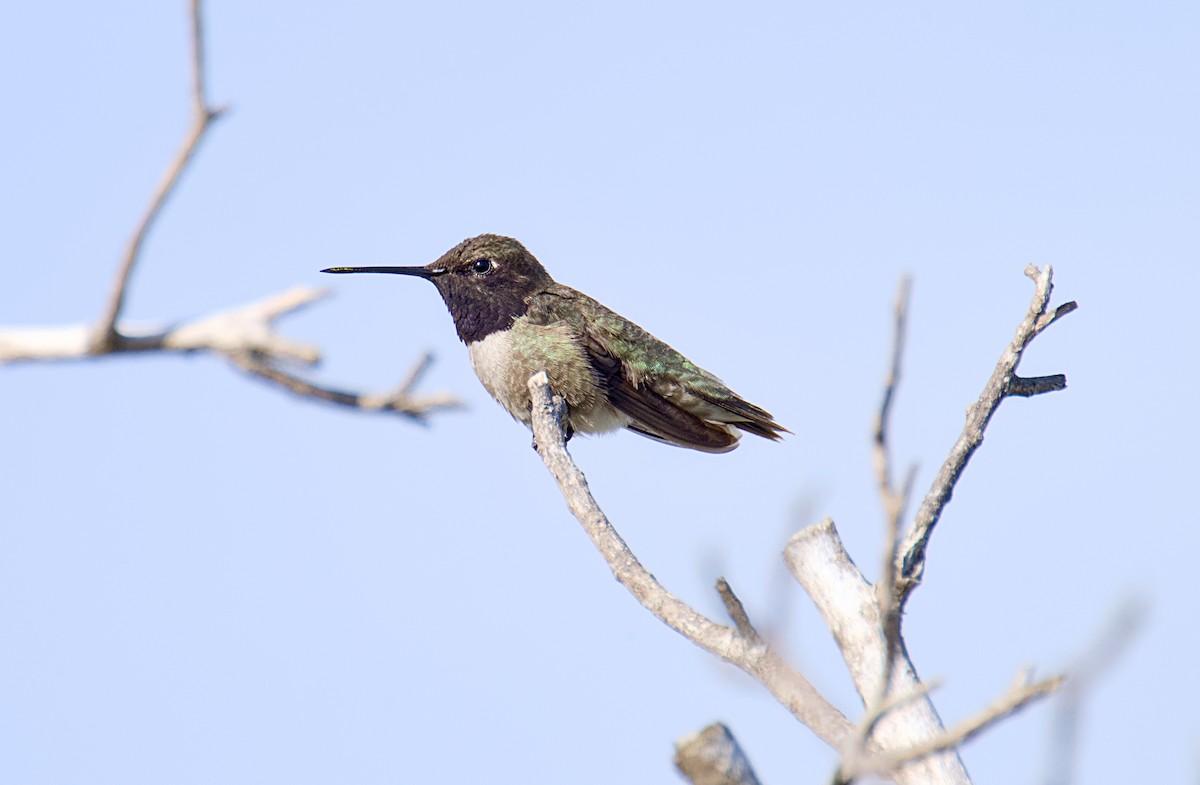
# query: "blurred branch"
1095,662
399,400
244,334
737,612
849,606
1020,694
713,757
106,337
887,692
1002,383
900,735
894,502
750,654
246,328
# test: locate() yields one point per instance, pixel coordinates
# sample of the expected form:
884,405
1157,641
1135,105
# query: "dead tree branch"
901,735
894,502
1002,383
909,743
245,335
246,328
754,656
1019,695
849,606
737,611
713,757
400,400
106,336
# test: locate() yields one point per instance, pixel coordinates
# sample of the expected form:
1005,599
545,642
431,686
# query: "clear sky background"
205,580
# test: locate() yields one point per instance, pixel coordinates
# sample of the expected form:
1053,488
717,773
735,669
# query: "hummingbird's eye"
482,266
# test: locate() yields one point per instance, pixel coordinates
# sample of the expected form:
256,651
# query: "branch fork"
900,735
245,334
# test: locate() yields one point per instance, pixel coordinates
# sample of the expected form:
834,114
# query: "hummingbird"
516,320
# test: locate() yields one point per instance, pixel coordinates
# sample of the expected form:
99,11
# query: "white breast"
492,358
505,360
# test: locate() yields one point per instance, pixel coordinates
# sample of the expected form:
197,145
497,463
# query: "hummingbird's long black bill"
420,272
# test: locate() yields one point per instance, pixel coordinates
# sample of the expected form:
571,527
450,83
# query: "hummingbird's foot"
568,432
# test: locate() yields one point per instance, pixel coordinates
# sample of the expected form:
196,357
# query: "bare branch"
737,611
897,701
859,748
105,335
899,760
757,659
414,376
910,745
713,757
199,95
1027,388
892,502
245,335
1019,695
999,386
850,608
245,328
1058,313
398,401
878,704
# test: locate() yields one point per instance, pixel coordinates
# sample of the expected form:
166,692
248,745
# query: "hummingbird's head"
485,282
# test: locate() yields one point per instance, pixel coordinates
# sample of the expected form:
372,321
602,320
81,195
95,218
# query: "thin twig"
999,386
1019,695
1026,388
415,374
893,500
247,337
757,659
882,460
891,589
737,611
898,701
105,335
859,748
199,78
1048,319
398,401
244,334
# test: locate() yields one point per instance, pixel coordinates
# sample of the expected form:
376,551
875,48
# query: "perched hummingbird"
516,320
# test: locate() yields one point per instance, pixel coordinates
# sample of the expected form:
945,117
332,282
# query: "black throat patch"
477,314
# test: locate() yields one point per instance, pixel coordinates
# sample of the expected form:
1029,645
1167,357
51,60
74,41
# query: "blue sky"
202,579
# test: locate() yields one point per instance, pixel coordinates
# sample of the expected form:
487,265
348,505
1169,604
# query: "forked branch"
901,735
400,400
749,653
105,336
1002,383
245,335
